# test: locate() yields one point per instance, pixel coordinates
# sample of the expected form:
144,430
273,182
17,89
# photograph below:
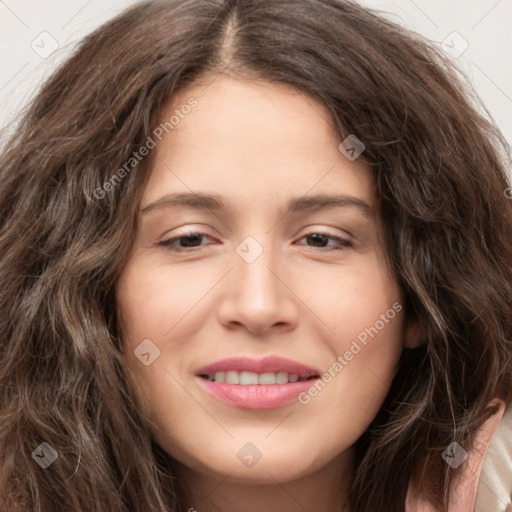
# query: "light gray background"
30,29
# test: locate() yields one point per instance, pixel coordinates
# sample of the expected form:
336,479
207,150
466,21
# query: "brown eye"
184,242
321,240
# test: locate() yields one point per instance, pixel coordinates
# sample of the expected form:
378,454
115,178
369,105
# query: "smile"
256,384
252,378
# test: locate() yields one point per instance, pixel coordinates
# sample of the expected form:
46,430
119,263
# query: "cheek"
351,391
159,314
353,300
366,320
153,300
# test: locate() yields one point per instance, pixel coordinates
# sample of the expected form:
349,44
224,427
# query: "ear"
414,333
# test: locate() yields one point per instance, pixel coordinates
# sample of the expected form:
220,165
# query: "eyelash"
167,244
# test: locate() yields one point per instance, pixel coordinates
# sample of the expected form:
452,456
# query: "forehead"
247,138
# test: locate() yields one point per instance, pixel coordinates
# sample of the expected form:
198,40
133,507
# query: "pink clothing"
463,497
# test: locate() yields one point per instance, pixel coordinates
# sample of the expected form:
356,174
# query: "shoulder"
495,484
485,479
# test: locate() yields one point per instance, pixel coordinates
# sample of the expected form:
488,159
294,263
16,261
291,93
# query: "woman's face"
259,252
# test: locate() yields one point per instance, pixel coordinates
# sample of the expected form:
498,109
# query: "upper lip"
269,364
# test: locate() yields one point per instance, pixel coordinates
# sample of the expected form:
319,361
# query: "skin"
257,145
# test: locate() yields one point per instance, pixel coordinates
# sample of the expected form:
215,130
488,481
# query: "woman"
342,339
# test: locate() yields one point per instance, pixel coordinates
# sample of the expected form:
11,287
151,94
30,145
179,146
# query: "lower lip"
255,396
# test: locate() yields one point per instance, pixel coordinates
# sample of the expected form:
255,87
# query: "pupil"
189,240
317,237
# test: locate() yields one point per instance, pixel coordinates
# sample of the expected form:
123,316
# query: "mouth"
256,384
256,379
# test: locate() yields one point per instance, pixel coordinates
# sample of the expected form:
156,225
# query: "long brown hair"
439,166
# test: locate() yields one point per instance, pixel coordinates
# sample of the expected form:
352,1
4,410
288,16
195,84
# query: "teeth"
283,377
231,377
268,378
247,378
251,378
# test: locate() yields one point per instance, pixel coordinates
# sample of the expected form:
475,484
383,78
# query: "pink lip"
256,396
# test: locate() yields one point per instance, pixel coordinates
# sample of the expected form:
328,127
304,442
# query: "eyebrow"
215,202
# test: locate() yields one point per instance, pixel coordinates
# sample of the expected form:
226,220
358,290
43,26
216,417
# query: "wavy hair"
440,170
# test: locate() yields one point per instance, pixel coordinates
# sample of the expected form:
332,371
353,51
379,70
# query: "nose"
257,296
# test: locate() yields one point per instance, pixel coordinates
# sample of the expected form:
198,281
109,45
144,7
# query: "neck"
324,490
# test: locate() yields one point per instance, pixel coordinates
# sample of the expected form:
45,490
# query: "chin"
282,467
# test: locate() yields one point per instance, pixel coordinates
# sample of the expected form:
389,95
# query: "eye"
184,242
192,240
321,240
